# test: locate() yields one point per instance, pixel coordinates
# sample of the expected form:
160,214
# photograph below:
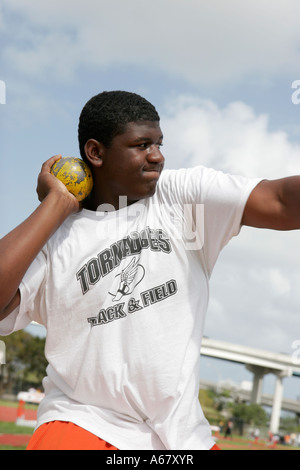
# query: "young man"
121,284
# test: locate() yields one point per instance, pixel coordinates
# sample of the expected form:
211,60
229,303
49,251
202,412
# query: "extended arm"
19,248
274,204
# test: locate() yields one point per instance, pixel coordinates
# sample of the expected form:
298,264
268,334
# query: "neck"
93,203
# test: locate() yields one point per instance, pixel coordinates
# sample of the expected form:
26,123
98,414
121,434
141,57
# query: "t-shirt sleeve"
31,290
225,198
215,201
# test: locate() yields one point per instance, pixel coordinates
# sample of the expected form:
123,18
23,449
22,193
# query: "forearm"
289,195
19,248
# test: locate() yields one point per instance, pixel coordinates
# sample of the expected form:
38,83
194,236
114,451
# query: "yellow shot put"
76,176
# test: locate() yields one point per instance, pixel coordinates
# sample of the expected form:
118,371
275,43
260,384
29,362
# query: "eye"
146,145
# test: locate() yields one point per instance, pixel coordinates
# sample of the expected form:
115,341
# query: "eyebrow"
146,139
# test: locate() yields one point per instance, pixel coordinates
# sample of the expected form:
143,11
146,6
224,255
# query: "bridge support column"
277,401
259,373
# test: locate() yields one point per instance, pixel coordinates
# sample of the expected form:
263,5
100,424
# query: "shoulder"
179,179
200,182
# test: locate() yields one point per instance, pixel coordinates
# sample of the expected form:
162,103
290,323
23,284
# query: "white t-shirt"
123,296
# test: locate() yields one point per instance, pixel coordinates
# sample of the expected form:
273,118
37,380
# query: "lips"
157,169
151,175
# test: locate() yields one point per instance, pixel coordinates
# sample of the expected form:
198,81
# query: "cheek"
131,165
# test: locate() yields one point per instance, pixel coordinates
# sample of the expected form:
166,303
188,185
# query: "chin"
145,192
150,192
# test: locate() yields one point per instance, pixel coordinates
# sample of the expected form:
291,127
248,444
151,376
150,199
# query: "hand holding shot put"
21,246
122,294
47,182
75,174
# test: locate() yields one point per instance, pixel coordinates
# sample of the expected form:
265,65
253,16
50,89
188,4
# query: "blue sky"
220,74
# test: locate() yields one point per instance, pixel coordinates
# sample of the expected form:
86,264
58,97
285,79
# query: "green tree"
250,414
25,362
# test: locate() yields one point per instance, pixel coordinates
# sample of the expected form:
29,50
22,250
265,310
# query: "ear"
94,152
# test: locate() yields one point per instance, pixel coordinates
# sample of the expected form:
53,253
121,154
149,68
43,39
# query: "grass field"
14,437
242,443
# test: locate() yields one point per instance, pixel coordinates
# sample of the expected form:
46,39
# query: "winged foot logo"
130,277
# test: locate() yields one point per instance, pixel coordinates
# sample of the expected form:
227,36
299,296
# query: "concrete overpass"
238,392
260,363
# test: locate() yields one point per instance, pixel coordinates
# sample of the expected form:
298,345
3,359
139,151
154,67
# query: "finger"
48,163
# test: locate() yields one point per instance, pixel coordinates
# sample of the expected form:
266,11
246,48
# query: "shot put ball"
75,174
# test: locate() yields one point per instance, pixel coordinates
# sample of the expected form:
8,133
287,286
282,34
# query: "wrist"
61,204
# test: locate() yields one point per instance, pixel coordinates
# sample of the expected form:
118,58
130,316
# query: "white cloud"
254,305
256,281
203,42
233,139
280,284
52,55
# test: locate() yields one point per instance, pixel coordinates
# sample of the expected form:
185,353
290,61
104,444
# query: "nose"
154,154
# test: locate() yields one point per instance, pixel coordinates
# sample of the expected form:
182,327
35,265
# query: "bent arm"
19,248
274,204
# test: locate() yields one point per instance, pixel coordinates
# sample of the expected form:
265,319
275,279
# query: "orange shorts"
63,435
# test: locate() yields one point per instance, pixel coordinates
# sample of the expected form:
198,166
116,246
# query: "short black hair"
105,115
